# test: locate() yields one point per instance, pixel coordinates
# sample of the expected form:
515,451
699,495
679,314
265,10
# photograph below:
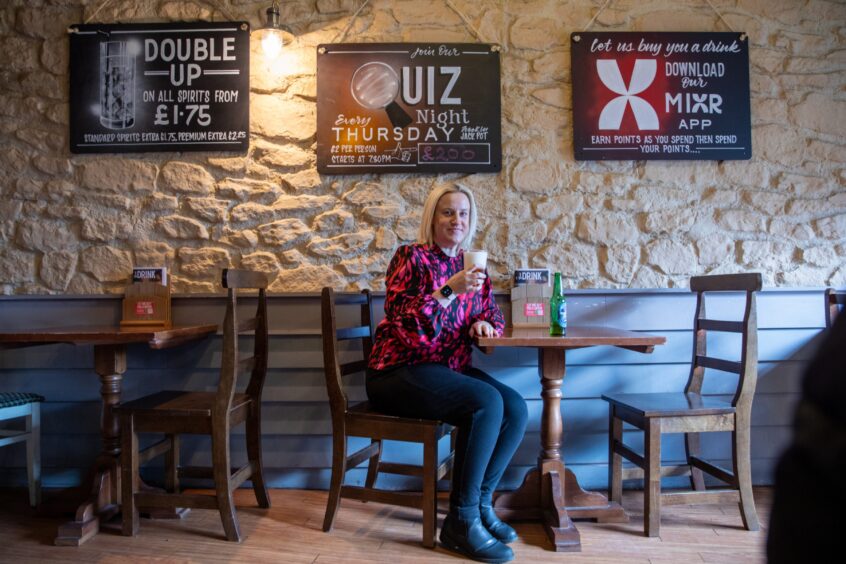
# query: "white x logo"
642,76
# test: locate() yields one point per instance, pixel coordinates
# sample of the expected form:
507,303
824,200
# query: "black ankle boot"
501,531
473,540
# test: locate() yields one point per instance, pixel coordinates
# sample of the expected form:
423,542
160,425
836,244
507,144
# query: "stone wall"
77,224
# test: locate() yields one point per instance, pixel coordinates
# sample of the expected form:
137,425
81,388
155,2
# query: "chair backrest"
231,365
333,368
747,367
834,300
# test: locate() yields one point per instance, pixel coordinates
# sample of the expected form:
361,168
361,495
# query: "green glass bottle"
557,309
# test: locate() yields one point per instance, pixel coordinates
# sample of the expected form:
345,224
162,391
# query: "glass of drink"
117,85
475,257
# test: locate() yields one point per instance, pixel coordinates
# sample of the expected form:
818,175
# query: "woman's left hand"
482,329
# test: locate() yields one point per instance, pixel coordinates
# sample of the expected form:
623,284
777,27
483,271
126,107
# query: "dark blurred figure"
807,522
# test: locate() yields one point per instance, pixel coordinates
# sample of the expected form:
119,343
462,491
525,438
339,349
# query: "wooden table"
103,501
551,491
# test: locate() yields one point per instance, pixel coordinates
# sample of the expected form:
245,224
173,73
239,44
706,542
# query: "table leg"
102,502
543,492
551,492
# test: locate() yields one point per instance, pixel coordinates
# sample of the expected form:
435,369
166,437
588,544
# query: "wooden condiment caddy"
147,304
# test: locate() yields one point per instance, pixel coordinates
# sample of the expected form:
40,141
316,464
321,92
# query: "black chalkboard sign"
408,107
661,96
160,87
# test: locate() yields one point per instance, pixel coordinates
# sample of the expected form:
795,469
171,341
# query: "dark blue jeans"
490,417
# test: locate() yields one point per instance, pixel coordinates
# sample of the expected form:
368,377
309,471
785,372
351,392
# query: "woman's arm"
489,311
416,316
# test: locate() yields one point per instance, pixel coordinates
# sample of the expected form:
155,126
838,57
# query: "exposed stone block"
831,227
334,221
308,278
261,261
620,262
209,209
606,228
119,175
186,178
671,257
205,262
537,33
741,220
300,123
177,227
57,269
153,253
248,189
284,233
16,267
715,249
45,235
107,264
341,245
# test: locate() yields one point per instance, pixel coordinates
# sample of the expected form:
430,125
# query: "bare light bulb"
271,44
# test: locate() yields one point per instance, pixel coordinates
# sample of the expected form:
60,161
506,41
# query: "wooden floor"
291,532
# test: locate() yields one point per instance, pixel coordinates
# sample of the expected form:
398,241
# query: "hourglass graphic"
117,85
374,86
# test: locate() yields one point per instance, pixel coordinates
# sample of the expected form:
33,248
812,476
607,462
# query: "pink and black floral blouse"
416,328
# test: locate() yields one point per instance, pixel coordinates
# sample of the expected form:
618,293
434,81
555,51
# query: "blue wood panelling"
296,441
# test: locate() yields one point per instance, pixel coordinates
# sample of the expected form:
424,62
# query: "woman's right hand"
468,280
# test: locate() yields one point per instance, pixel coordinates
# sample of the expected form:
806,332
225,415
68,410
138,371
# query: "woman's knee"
515,410
487,399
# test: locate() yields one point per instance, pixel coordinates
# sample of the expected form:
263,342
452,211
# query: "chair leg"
221,469
33,454
652,479
373,465
339,468
430,489
615,461
691,445
172,465
254,456
129,475
743,475
453,437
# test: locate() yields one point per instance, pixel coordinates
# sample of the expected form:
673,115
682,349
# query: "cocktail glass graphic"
374,86
117,85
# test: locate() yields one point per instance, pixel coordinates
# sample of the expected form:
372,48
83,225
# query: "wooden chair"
834,301
15,405
362,421
205,413
690,412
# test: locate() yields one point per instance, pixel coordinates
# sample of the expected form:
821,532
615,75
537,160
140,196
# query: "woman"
420,367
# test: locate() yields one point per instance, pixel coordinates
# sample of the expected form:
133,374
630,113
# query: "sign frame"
661,96
162,87
408,107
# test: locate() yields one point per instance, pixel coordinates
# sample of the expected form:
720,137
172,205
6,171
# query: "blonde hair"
425,235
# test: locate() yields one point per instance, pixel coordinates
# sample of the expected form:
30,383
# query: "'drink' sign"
159,87
660,96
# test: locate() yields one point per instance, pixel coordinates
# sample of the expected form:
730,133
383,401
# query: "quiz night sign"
661,96
160,87
408,107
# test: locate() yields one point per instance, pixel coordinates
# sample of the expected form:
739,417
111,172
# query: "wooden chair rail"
721,326
749,282
719,364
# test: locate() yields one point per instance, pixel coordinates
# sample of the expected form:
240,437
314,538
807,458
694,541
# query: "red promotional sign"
659,96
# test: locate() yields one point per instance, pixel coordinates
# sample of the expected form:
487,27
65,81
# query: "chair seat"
364,409
12,399
179,404
670,404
